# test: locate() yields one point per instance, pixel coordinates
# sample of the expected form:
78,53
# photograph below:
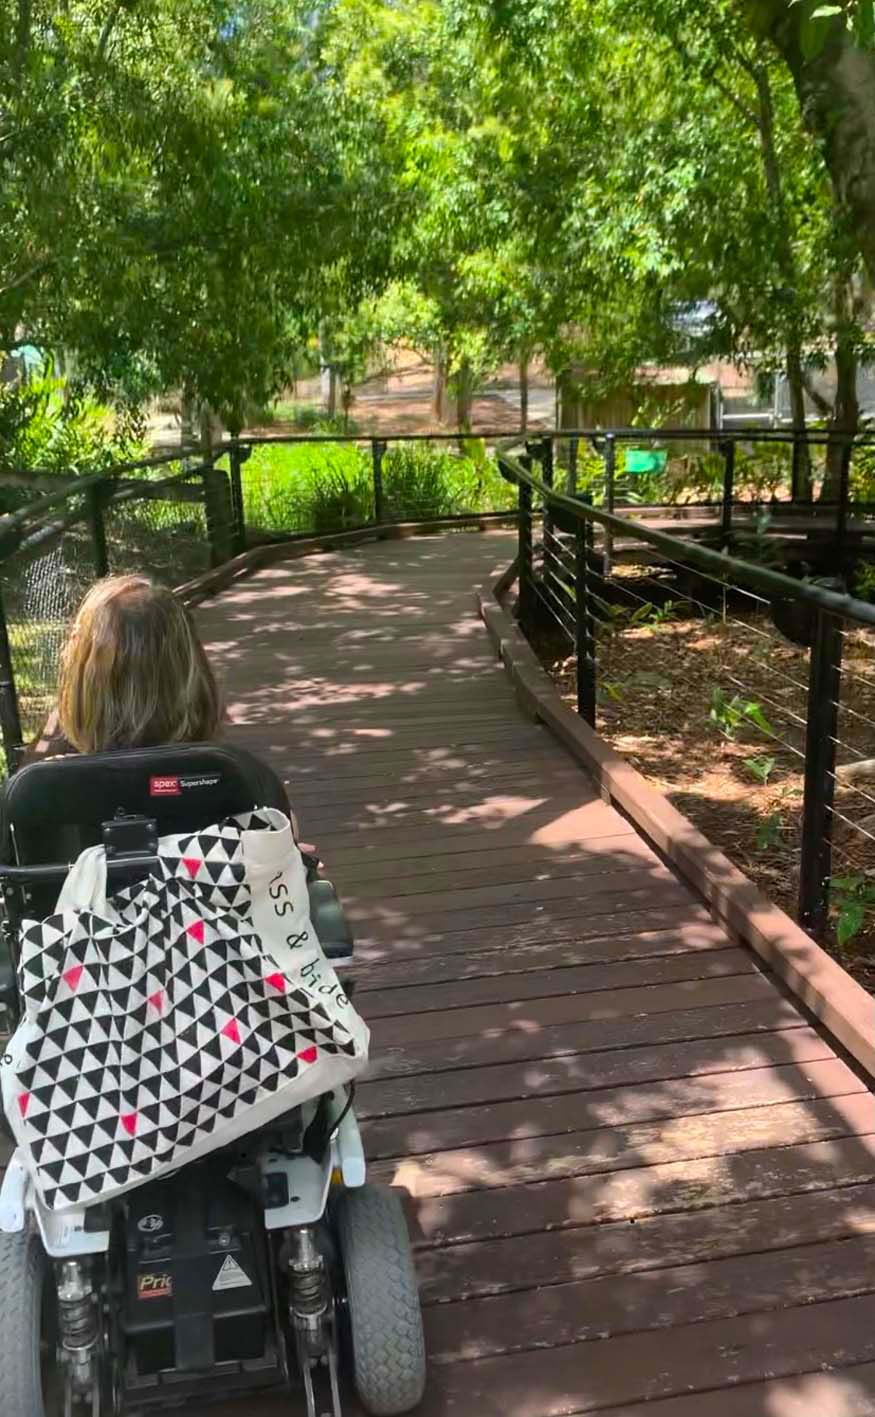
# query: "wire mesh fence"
152,519
747,699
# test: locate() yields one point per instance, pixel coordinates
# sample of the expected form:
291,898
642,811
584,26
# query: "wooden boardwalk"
637,1176
639,1181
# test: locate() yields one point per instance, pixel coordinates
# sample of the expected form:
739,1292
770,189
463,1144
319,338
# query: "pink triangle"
192,865
129,1122
232,1031
196,931
157,1001
309,1055
276,981
23,1102
72,976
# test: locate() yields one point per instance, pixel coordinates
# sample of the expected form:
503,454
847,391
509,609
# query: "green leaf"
850,920
755,714
761,768
824,12
812,37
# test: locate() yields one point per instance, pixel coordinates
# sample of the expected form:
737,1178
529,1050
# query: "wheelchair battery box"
197,1282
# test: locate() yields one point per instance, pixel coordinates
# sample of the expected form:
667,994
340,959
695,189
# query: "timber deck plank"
638,1179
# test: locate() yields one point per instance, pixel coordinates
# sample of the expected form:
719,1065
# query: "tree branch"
22,35
823,405
106,32
25,277
749,114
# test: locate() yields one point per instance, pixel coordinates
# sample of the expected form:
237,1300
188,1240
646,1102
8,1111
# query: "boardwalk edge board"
816,980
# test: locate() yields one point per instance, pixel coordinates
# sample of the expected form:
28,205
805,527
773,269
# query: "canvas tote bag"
165,1021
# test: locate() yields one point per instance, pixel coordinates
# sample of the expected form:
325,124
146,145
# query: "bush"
47,427
307,487
329,486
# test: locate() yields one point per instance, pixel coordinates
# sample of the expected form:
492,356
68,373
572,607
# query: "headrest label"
175,786
164,787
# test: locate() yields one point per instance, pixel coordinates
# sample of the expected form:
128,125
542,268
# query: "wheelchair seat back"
55,808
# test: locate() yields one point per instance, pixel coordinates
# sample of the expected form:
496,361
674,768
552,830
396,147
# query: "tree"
830,52
671,171
179,186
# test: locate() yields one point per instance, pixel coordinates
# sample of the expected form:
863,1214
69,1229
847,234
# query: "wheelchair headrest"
56,807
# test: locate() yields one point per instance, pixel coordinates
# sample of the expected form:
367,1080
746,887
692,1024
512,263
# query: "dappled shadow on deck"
636,1174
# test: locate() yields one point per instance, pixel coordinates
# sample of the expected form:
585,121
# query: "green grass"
324,487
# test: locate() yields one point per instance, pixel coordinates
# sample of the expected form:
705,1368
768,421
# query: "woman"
134,674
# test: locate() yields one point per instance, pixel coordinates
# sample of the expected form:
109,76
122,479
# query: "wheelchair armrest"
331,925
9,1002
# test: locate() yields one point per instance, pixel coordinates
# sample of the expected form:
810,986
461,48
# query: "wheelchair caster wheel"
382,1309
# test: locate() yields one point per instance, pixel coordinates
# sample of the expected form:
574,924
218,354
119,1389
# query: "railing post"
610,475
795,470
544,456
525,558
824,689
378,448
237,456
10,719
728,450
844,498
584,621
571,479
547,460
96,499
219,514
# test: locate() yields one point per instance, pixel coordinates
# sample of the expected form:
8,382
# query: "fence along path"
635,1172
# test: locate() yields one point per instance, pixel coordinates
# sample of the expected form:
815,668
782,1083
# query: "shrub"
329,486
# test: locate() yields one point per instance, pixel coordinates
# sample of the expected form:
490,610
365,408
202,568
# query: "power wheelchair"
270,1264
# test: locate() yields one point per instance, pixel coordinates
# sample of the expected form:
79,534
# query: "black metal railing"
175,518
689,655
301,484
163,515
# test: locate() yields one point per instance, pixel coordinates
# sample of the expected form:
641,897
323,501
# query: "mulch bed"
740,779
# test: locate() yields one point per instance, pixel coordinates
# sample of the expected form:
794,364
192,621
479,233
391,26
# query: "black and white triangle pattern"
148,1036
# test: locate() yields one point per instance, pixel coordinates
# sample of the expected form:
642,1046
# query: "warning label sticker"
231,1276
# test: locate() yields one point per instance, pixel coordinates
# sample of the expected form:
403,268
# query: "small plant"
851,897
662,614
770,831
614,619
758,545
729,715
760,768
864,580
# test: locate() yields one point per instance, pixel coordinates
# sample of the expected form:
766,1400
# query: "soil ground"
741,782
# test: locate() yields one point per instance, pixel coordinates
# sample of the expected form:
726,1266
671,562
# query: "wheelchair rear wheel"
27,1328
382,1301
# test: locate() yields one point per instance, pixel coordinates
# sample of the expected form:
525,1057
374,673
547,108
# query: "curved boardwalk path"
631,1163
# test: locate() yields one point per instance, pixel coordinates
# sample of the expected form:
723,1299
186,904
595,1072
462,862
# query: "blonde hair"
133,672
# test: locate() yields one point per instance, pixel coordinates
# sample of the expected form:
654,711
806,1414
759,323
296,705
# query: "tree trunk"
524,390
439,387
786,262
187,420
846,409
836,89
796,390
464,394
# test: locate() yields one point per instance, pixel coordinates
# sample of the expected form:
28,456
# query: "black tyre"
23,1296
385,1320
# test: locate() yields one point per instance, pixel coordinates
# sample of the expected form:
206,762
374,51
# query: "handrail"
693,435
774,582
